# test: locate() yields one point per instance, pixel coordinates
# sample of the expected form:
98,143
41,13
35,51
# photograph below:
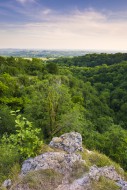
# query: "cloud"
25,1
25,10
88,29
46,11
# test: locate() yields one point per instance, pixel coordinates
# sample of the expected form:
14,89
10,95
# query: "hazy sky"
64,24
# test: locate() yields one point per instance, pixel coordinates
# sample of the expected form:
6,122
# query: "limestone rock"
109,172
63,161
80,184
94,174
123,184
59,161
69,142
7,183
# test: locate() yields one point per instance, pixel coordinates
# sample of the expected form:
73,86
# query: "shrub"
25,139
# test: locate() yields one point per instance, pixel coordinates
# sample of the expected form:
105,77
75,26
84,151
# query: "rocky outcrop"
69,142
94,174
109,172
122,184
63,162
59,161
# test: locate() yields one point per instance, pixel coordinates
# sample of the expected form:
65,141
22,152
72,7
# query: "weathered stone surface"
80,184
124,188
7,183
123,184
58,161
109,172
69,142
94,174
63,162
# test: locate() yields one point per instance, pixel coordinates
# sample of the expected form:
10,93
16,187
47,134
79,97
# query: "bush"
25,139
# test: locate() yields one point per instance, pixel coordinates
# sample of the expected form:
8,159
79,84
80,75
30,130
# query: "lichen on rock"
69,142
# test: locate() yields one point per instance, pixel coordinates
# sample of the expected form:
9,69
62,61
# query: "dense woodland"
41,99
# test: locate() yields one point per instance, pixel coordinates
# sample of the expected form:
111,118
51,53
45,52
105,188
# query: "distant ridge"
48,53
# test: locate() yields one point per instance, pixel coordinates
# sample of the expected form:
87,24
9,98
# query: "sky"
64,24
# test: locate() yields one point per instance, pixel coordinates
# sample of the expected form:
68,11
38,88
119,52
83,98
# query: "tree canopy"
87,94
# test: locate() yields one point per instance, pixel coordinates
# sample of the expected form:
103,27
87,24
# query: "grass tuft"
40,180
104,184
100,160
78,170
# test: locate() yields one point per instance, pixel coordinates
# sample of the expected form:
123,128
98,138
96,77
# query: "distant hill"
46,53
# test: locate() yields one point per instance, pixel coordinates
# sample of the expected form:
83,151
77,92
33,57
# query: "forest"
41,99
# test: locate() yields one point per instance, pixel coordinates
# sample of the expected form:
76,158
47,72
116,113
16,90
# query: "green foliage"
116,145
52,109
25,139
8,158
92,60
7,121
52,68
3,88
87,94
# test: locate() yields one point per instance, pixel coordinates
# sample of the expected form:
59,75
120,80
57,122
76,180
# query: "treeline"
92,60
39,100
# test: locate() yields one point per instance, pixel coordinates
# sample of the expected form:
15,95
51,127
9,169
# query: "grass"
46,148
100,160
14,172
104,184
78,170
40,180
3,188
8,159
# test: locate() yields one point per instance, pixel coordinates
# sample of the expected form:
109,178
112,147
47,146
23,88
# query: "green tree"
25,139
7,121
115,145
52,68
50,103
